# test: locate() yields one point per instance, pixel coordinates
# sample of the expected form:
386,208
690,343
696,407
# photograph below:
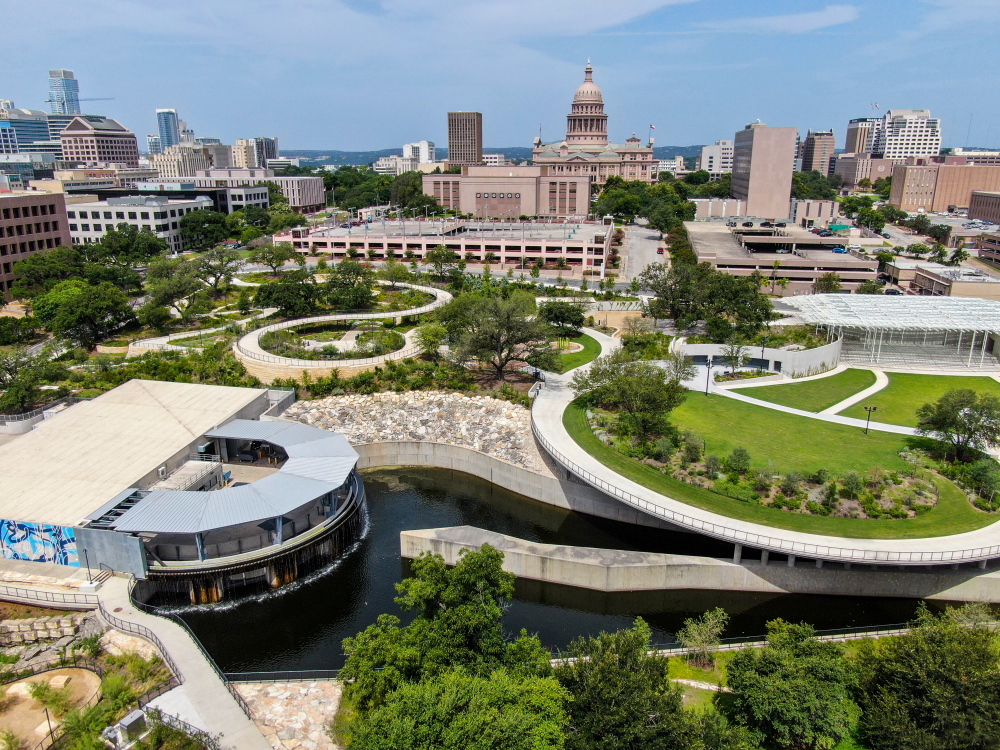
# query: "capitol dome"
588,90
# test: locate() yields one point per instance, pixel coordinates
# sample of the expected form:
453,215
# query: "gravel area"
497,428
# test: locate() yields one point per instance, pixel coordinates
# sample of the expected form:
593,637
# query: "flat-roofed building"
936,187
512,244
465,138
985,206
817,151
854,168
801,257
90,220
763,160
511,192
30,222
858,134
716,159
939,280
225,200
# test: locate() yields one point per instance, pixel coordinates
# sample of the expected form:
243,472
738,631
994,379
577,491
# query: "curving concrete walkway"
220,714
547,413
163,342
881,381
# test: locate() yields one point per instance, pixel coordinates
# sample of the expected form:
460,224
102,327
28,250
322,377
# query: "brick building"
29,222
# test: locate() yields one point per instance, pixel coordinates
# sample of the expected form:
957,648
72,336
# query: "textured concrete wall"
268,371
558,492
615,570
794,363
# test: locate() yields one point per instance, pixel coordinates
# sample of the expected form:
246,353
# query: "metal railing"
304,675
52,597
764,541
143,632
441,297
68,400
151,610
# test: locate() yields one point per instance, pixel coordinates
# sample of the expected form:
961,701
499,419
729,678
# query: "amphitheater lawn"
815,395
953,514
570,360
898,402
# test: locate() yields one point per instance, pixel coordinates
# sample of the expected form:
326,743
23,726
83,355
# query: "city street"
640,249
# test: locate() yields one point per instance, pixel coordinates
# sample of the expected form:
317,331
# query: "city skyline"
697,70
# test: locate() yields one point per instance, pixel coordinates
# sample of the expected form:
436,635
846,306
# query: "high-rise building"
99,140
207,141
716,159
422,151
31,125
182,160
153,144
6,104
465,138
920,185
903,133
817,150
253,153
219,154
8,138
763,159
168,125
264,148
858,131
64,92
43,215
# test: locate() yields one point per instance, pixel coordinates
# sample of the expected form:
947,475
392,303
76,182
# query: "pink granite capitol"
586,150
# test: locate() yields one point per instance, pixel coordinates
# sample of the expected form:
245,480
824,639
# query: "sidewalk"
219,712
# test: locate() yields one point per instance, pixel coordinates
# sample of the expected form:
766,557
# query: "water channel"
302,626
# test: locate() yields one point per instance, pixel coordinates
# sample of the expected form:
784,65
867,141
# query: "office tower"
465,138
717,158
31,125
763,159
422,151
219,154
903,133
99,140
264,148
207,141
6,105
858,131
8,138
817,151
64,92
153,144
169,128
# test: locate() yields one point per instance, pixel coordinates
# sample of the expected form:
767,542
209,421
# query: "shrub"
820,476
761,481
790,483
739,461
853,486
692,447
713,466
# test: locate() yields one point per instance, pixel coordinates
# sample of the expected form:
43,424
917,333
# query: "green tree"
47,305
565,317
92,315
870,286
940,233
499,331
699,177
203,229
642,391
17,330
828,283
295,294
958,256
125,245
172,282
865,183
702,635
963,419
350,285
939,253
920,223
793,693
918,249
39,272
872,219
621,697
679,367
395,273
430,337
937,686
217,267
734,354
459,711
274,256
458,623
249,234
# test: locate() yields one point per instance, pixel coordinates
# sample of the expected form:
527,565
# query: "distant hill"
331,156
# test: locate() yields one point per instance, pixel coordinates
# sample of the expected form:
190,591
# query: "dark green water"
302,626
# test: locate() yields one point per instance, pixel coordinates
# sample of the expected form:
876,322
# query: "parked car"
766,224
825,233
894,292
730,223
854,247
781,224
840,249
748,223
659,251
886,235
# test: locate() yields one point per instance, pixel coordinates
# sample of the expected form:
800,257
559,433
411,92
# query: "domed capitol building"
586,150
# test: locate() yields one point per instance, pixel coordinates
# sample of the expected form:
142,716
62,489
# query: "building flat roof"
431,231
76,462
875,311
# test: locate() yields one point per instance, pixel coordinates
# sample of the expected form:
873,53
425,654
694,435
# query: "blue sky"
371,74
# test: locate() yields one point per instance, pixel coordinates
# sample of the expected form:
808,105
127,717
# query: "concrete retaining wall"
561,493
620,571
268,371
794,363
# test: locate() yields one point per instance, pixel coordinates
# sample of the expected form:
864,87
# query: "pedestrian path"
881,381
218,711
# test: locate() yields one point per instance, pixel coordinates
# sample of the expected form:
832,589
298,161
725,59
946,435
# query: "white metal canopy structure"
944,332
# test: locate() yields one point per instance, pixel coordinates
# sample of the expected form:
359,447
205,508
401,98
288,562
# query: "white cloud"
794,23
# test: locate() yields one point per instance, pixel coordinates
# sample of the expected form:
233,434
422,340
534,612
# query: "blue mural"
38,542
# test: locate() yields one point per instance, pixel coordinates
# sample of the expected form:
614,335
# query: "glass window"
72,227
144,215
97,227
173,211
107,214
132,215
70,214
85,227
119,214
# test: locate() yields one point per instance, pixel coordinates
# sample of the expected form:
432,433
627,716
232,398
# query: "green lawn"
793,443
898,402
591,350
815,395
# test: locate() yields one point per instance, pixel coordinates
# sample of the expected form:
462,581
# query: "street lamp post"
708,375
869,409
763,343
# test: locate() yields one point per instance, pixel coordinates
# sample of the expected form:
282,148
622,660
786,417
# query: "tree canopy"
963,419
203,229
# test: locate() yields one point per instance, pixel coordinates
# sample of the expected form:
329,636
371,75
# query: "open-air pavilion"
945,333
